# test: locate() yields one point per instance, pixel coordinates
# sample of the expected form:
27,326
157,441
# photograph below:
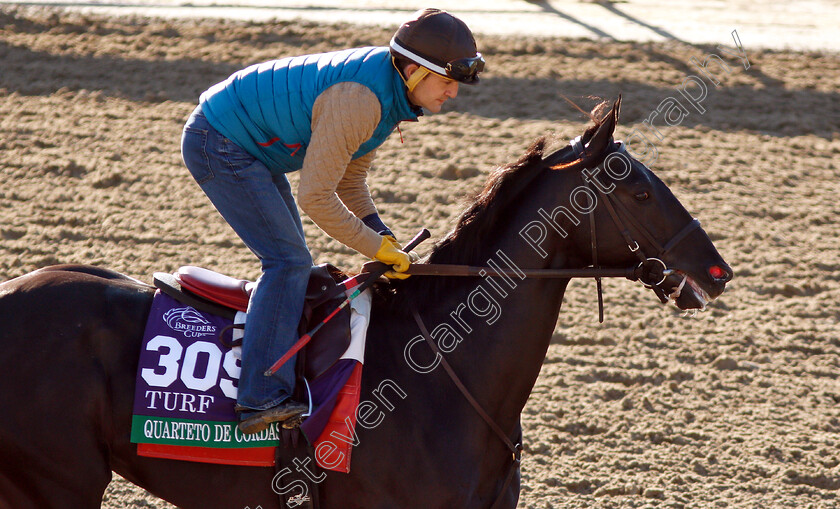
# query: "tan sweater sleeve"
353,189
343,117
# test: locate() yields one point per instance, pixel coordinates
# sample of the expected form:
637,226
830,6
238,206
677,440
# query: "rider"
324,115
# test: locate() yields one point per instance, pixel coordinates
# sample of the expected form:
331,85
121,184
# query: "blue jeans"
260,208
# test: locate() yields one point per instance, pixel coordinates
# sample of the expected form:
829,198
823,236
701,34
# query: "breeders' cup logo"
188,322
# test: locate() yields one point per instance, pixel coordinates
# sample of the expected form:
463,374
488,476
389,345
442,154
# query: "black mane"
488,212
463,245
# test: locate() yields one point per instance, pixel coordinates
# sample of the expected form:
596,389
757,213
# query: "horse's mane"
463,243
487,212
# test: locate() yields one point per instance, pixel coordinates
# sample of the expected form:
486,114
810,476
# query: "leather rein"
650,270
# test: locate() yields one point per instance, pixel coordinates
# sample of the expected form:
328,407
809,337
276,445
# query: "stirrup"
261,419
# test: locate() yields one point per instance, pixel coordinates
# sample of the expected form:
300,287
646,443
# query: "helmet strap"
416,77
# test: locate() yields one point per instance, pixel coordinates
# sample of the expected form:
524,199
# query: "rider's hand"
411,254
391,252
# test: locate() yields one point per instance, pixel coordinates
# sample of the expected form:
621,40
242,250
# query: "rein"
516,450
443,269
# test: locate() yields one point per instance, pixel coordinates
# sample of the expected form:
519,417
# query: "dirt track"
735,407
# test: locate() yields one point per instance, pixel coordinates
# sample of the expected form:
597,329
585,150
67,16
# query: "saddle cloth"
188,374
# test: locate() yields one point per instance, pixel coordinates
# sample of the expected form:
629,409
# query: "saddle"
224,295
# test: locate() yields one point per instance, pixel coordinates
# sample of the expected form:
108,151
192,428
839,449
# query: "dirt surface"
734,407
803,26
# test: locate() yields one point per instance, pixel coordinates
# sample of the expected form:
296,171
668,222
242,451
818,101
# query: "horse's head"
633,218
610,210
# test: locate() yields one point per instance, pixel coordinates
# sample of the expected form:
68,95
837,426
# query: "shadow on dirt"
515,85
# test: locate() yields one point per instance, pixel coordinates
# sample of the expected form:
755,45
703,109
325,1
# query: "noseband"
652,270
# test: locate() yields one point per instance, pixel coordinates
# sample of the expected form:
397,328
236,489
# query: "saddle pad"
336,394
332,432
186,391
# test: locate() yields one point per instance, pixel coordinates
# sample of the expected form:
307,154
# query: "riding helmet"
440,42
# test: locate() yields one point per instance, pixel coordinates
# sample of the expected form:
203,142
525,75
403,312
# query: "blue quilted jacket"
267,108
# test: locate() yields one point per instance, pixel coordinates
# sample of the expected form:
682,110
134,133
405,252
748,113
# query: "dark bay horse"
70,338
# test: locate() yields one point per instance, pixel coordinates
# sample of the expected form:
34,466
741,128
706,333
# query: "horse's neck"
495,331
503,326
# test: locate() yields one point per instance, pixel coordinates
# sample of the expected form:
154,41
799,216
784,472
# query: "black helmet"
441,43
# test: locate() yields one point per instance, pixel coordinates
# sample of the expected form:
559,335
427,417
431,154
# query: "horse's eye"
642,196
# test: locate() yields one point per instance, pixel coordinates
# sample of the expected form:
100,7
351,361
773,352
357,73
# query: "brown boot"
259,420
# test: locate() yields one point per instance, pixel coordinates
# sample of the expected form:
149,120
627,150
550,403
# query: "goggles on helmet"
464,70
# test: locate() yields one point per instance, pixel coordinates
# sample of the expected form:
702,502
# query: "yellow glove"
391,252
411,254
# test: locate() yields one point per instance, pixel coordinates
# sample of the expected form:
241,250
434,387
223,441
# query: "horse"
71,337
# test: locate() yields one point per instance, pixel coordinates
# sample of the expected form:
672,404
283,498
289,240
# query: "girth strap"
516,450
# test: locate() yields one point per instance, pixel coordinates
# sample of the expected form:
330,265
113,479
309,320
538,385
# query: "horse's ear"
596,139
616,108
603,135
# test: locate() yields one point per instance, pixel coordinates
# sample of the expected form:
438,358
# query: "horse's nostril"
719,273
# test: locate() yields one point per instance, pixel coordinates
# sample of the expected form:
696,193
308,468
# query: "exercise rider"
325,115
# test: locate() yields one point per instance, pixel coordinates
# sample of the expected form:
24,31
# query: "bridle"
652,271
